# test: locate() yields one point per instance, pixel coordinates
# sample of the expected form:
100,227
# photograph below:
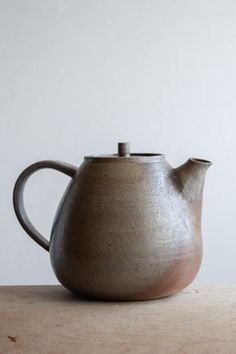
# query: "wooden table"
48,319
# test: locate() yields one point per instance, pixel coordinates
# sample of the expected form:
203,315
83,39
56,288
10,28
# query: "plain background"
76,77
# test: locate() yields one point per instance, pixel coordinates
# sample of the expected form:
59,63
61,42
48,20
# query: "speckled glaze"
128,226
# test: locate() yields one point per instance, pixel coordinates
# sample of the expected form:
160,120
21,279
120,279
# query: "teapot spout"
190,177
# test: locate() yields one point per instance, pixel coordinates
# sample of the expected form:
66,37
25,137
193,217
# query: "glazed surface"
125,231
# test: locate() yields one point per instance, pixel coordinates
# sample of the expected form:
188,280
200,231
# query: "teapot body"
128,226
123,231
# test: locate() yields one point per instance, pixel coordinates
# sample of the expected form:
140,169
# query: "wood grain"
48,319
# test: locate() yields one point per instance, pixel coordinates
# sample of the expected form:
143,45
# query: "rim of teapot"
138,157
124,154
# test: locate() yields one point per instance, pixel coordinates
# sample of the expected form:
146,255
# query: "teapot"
128,226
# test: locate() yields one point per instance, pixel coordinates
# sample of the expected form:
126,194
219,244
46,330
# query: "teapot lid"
124,154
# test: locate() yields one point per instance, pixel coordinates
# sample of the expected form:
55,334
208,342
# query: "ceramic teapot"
128,226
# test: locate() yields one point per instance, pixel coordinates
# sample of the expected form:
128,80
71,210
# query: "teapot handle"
18,196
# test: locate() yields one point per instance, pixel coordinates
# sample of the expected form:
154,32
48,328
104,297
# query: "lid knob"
123,149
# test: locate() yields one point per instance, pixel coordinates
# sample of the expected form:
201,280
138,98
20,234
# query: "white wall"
78,76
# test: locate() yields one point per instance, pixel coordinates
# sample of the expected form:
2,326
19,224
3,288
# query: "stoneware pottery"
128,226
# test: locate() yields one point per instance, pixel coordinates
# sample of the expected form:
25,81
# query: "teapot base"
146,285
134,298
